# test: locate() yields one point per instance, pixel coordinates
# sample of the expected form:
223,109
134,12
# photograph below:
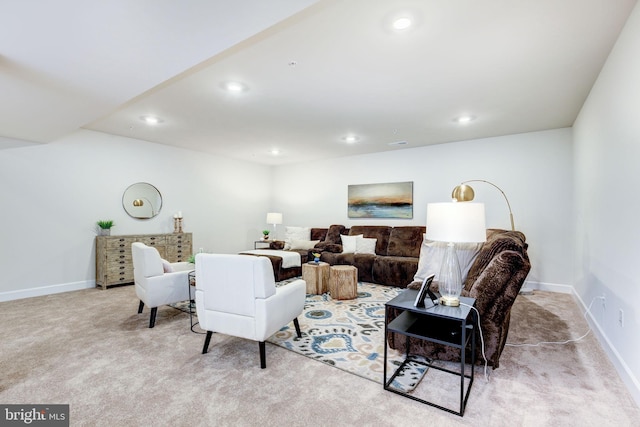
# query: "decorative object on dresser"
114,263
177,222
104,227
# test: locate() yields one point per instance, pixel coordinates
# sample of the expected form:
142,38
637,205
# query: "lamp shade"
274,218
456,222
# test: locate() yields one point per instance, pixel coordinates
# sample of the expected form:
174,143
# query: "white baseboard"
46,290
627,376
551,287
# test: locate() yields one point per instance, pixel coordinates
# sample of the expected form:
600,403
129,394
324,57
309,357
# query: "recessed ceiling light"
235,87
401,24
275,152
464,119
151,120
350,139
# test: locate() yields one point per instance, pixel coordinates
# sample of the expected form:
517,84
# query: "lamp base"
450,301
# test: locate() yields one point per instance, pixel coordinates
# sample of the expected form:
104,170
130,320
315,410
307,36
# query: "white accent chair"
154,286
236,295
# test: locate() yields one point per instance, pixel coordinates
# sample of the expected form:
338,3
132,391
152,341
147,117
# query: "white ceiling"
516,66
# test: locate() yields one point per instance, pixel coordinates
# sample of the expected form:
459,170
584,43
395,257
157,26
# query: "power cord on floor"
486,374
560,342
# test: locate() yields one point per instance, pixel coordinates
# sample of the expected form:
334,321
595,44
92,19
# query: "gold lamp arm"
464,193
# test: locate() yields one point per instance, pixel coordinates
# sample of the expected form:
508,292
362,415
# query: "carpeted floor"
92,350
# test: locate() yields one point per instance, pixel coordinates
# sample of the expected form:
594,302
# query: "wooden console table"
114,264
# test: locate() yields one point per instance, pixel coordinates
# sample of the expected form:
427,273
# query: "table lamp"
454,223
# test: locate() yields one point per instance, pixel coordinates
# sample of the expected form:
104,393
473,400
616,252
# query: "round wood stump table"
343,282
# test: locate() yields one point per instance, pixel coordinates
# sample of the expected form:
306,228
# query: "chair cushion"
146,260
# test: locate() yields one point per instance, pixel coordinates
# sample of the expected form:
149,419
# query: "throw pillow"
278,244
349,243
166,266
366,246
296,233
303,244
432,254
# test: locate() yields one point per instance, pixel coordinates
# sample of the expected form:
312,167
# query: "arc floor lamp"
464,193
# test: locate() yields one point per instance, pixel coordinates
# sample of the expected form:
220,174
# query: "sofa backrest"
379,232
497,242
319,233
406,241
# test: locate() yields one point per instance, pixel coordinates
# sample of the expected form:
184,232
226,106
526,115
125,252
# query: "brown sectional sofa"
494,279
394,264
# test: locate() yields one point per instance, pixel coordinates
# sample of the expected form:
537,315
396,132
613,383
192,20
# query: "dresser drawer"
114,243
153,240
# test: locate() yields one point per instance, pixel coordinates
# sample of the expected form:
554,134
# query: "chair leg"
207,340
263,356
152,319
140,307
297,325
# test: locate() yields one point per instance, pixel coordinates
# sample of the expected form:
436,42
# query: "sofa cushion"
349,243
394,271
379,232
296,233
405,241
497,241
333,234
278,244
302,244
366,246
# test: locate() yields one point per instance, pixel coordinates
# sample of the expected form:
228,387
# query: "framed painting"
389,200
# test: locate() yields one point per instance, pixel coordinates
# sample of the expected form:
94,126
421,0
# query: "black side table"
451,326
192,304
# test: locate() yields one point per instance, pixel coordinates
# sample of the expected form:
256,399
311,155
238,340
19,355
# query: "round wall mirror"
142,200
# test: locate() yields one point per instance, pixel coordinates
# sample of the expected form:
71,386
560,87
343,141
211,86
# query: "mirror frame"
137,199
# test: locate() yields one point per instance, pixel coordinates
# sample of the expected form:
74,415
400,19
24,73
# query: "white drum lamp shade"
454,223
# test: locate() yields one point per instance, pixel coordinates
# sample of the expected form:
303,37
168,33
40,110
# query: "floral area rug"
349,335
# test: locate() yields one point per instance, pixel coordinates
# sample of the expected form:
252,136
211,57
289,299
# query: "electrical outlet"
621,318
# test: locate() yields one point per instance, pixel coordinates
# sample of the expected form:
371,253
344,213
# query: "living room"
569,189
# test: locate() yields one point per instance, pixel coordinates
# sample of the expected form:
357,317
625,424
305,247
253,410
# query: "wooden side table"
317,277
343,282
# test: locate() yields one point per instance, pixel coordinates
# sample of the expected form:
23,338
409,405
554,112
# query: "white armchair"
155,286
236,295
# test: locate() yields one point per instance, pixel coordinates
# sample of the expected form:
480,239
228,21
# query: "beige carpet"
92,350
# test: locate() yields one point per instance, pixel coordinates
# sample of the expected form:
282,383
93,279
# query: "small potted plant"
105,227
265,234
316,257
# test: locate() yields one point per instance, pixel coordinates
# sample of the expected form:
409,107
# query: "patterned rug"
349,335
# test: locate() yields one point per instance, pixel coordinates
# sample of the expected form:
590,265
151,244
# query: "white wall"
533,169
607,175
51,195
